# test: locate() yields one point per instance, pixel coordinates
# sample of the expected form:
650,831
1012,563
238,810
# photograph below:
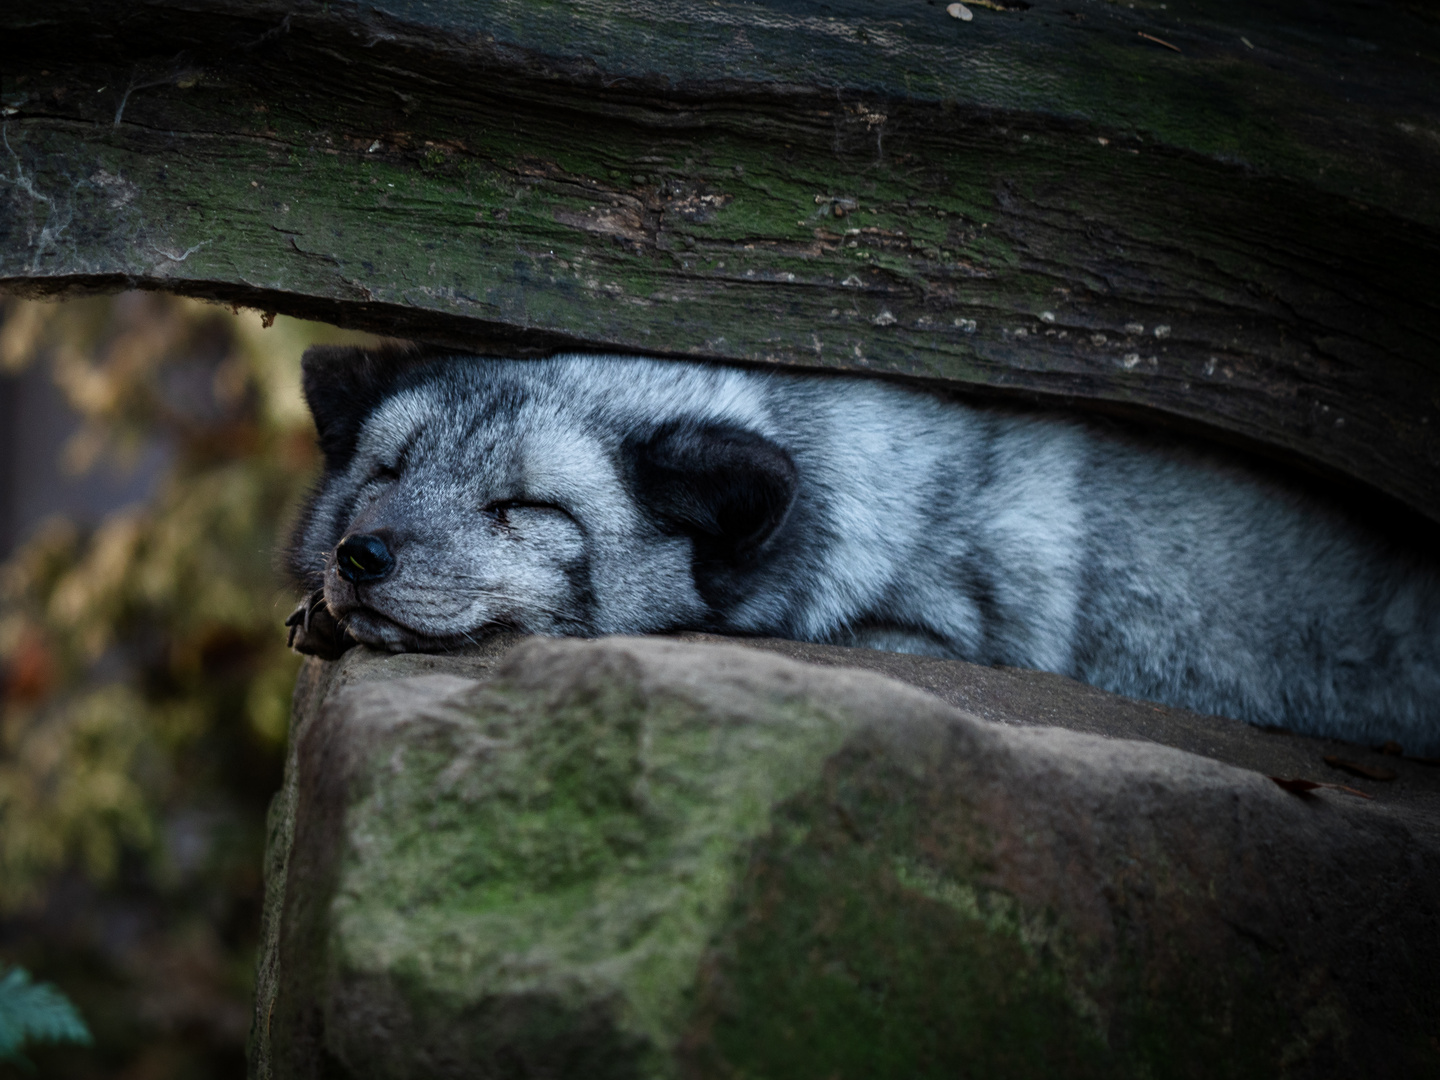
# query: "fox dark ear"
344,384
727,488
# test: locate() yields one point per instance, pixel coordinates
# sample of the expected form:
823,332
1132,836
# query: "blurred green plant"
35,1012
146,679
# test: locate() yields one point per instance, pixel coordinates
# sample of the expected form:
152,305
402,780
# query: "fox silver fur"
589,495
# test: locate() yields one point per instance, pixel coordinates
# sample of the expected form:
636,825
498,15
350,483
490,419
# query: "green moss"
579,855
868,940
850,953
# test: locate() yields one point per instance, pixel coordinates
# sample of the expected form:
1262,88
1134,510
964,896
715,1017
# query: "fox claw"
314,631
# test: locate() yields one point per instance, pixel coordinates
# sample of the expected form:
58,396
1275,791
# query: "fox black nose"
363,558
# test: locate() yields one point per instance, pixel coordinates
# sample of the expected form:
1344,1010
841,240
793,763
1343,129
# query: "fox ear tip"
344,383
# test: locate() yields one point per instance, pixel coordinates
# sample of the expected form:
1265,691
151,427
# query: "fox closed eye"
501,509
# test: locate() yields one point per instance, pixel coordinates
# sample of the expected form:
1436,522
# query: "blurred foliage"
146,679
35,1012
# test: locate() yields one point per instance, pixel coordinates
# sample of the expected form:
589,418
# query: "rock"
643,857
1019,696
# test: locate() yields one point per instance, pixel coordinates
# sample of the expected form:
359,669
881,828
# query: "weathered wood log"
1221,215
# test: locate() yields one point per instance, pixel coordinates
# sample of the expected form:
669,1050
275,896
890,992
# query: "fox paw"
314,631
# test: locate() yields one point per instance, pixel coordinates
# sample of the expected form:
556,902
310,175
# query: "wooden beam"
1240,234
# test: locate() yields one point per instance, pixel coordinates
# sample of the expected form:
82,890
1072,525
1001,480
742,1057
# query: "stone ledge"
650,857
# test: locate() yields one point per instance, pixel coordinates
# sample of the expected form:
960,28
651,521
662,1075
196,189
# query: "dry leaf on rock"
1354,768
1299,785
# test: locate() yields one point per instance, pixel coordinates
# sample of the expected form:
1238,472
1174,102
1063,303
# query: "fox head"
578,495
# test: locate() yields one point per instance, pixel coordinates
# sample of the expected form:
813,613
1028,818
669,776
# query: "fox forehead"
534,447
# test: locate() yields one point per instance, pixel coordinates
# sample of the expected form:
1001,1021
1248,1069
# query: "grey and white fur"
600,495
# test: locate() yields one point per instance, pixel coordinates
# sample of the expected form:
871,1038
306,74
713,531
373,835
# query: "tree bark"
1220,216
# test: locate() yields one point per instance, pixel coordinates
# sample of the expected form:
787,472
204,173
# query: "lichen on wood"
1040,202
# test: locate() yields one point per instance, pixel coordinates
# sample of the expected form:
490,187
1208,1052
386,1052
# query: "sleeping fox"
591,495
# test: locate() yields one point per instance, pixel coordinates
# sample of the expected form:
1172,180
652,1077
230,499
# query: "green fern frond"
35,1012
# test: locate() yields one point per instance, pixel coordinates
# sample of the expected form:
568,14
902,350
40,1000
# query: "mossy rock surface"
652,858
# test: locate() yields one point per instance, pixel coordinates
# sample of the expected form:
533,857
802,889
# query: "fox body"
598,495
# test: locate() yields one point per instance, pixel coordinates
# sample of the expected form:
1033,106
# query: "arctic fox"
593,495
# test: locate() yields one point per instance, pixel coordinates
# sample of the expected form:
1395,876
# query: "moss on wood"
1038,202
